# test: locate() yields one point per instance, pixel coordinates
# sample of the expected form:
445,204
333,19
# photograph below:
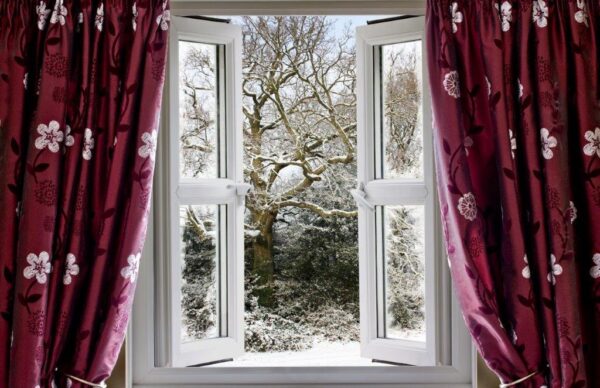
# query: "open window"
398,232
205,196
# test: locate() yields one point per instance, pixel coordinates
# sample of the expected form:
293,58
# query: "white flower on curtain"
520,88
69,140
526,272
71,269
593,146
505,14
540,13
50,136
489,86
467,206
135,15
572,212
149,147
163,19
131,270
99,17
555,270
451,84
39,267
88,144
457,16
513,143
582,15
468,143
595,270
548,142
59,15
42,14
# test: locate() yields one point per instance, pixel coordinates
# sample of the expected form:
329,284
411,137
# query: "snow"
321,354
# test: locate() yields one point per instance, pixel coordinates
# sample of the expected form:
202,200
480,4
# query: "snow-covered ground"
322,354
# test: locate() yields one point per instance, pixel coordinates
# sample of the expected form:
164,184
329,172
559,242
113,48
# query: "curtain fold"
80,92
517,132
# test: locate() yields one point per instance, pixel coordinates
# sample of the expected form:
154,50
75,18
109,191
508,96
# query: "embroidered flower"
130,271
149,147
45,193
69,140
513,143
593,147
582,15
540,13
71,269
56,65
467,206
42,13
134,17
526,271
555,270
59,14
163,19
520,88
595,270
36,322
50,136
548,142
88,144
39,267
505,14
451,84
468,143
572,212
457,16
99,17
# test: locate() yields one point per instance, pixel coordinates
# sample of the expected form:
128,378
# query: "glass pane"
401,111
404,272
199,110
200,228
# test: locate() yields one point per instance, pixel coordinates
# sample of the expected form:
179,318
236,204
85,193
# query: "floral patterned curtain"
517,131
80,92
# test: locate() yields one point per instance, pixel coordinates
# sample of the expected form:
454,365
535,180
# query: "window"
198,214
206,195
398,207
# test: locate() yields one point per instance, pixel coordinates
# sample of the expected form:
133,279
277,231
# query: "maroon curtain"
517,127
80,91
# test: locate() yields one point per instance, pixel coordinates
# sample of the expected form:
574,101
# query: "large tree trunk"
262,261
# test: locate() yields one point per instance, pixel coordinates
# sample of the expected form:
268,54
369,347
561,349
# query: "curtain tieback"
99,385
511,384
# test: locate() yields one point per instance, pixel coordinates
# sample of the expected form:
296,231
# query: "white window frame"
226,190
147,353
377,192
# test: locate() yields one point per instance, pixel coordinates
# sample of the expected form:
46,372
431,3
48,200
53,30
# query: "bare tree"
300,122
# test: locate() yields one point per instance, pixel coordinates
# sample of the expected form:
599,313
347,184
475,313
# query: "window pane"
404,272
199,110
401,110
201,250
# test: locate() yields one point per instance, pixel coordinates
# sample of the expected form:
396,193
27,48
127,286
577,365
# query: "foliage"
198,273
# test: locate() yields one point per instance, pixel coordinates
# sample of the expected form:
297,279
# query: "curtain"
517,132
80,92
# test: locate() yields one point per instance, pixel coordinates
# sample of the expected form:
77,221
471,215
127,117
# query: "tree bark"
262,264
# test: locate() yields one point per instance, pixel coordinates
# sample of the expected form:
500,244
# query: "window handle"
241,190
361,197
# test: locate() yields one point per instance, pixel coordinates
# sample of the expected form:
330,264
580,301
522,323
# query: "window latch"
360,196
241,189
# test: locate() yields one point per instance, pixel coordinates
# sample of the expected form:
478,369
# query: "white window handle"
361,197
241,189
